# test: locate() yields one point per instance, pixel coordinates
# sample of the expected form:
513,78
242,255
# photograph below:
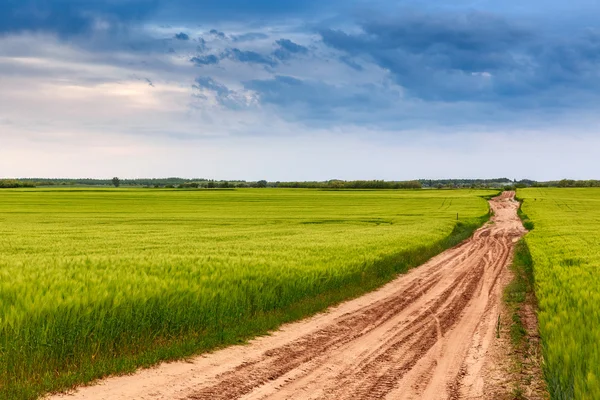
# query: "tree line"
340,184
572,183
334,184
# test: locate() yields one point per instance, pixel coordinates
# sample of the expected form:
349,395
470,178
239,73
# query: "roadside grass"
518,295
520,298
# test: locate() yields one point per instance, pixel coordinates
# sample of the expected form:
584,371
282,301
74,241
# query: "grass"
518,295
98,282
522,303
517,292
565,251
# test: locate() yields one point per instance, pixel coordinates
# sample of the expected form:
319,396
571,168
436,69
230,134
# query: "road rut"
425,335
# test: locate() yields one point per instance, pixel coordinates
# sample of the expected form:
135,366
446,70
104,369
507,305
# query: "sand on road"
426,335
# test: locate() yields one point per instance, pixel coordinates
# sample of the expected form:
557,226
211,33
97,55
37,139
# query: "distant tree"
336,184
11,183
211,184
566,183
189,185
116,181
261,184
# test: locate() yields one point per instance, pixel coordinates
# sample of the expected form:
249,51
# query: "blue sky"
276,90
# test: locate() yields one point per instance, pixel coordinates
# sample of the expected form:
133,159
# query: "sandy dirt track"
426,335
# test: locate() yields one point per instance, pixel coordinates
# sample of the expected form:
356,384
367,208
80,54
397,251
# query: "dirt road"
428,334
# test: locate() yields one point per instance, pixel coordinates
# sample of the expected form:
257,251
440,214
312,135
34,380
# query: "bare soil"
429,334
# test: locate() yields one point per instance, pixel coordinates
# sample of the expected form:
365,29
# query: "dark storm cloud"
312,100
205,60
286,91
69,17
287,49
182,36
226,97
250,36
205,82
291,47
211,10
351,63
217,33
201,47
475,57
250,57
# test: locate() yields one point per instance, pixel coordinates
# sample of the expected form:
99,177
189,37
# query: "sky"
300,90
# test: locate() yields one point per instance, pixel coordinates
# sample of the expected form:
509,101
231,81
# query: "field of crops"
565,248
102,281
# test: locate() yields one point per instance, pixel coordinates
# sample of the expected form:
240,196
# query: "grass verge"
521,301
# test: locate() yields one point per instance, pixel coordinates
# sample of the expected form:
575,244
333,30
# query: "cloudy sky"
300,90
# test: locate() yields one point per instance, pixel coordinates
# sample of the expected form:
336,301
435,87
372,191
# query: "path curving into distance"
425,335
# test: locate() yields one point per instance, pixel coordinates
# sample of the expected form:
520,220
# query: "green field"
94,282
565,248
